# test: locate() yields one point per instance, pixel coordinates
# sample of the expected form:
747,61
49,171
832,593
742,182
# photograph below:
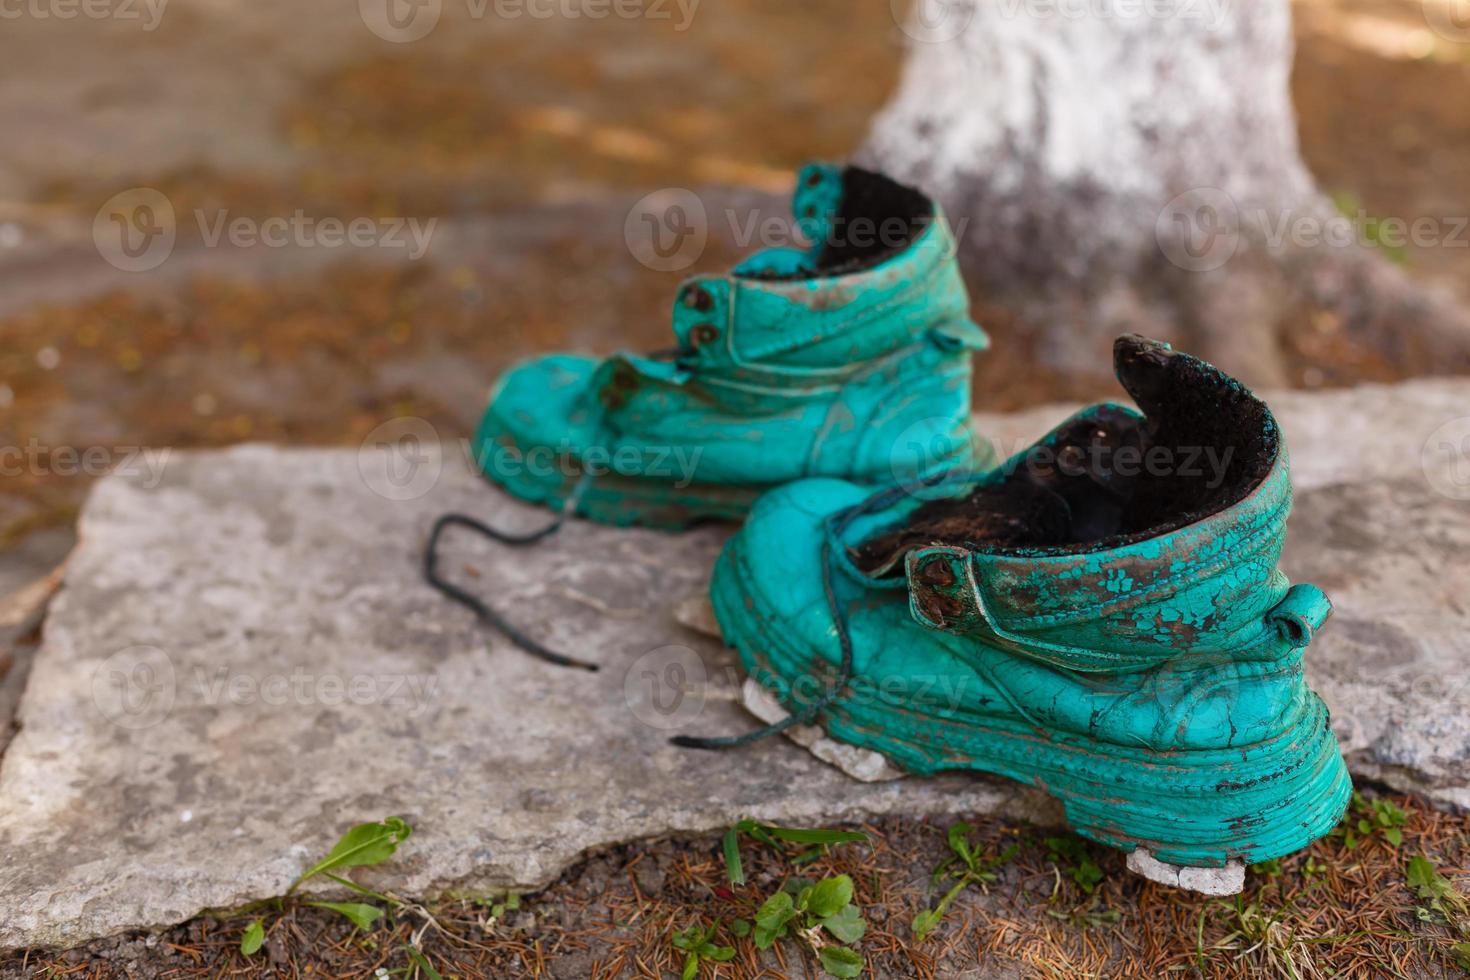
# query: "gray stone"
864,765
1229,880
243,662
1393,662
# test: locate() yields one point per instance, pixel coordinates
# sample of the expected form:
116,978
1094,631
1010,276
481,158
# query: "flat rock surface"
244,661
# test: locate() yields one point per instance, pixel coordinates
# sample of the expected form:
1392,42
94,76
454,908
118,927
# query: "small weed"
1441,902
1366,819
510,903
1092,914
1259,932
964,867
814,841
364,845
810,915
1072,858
698,944
1374,230
1270,870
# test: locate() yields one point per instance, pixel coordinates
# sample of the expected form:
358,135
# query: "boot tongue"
1212,439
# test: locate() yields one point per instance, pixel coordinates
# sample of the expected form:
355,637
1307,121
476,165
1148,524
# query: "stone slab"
243,662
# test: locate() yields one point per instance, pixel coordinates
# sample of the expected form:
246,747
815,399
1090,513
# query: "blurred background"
490,167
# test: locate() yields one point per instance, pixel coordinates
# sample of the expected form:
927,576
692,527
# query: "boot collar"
879,273
1018,594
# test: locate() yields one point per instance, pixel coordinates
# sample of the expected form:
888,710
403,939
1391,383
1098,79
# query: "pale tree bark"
1133,165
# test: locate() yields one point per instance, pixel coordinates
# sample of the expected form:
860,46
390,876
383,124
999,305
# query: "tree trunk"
1133,165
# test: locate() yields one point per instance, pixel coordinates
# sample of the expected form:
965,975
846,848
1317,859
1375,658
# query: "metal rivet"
698,299
703,334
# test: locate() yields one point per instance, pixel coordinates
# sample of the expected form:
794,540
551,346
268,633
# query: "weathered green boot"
1102,617
850,359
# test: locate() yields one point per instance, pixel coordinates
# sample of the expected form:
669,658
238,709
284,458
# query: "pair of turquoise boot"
1100,615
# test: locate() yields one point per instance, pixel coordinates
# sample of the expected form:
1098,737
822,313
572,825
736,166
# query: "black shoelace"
478,605
837,524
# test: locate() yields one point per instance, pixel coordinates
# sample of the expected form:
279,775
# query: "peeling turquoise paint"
862,375
1154,684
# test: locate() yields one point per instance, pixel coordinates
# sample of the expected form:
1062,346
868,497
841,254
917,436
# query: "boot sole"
1188,807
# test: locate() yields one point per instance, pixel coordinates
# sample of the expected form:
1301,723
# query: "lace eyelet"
703,334
698,298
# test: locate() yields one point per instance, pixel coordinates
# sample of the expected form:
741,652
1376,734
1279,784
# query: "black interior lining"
876,219
1203,444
